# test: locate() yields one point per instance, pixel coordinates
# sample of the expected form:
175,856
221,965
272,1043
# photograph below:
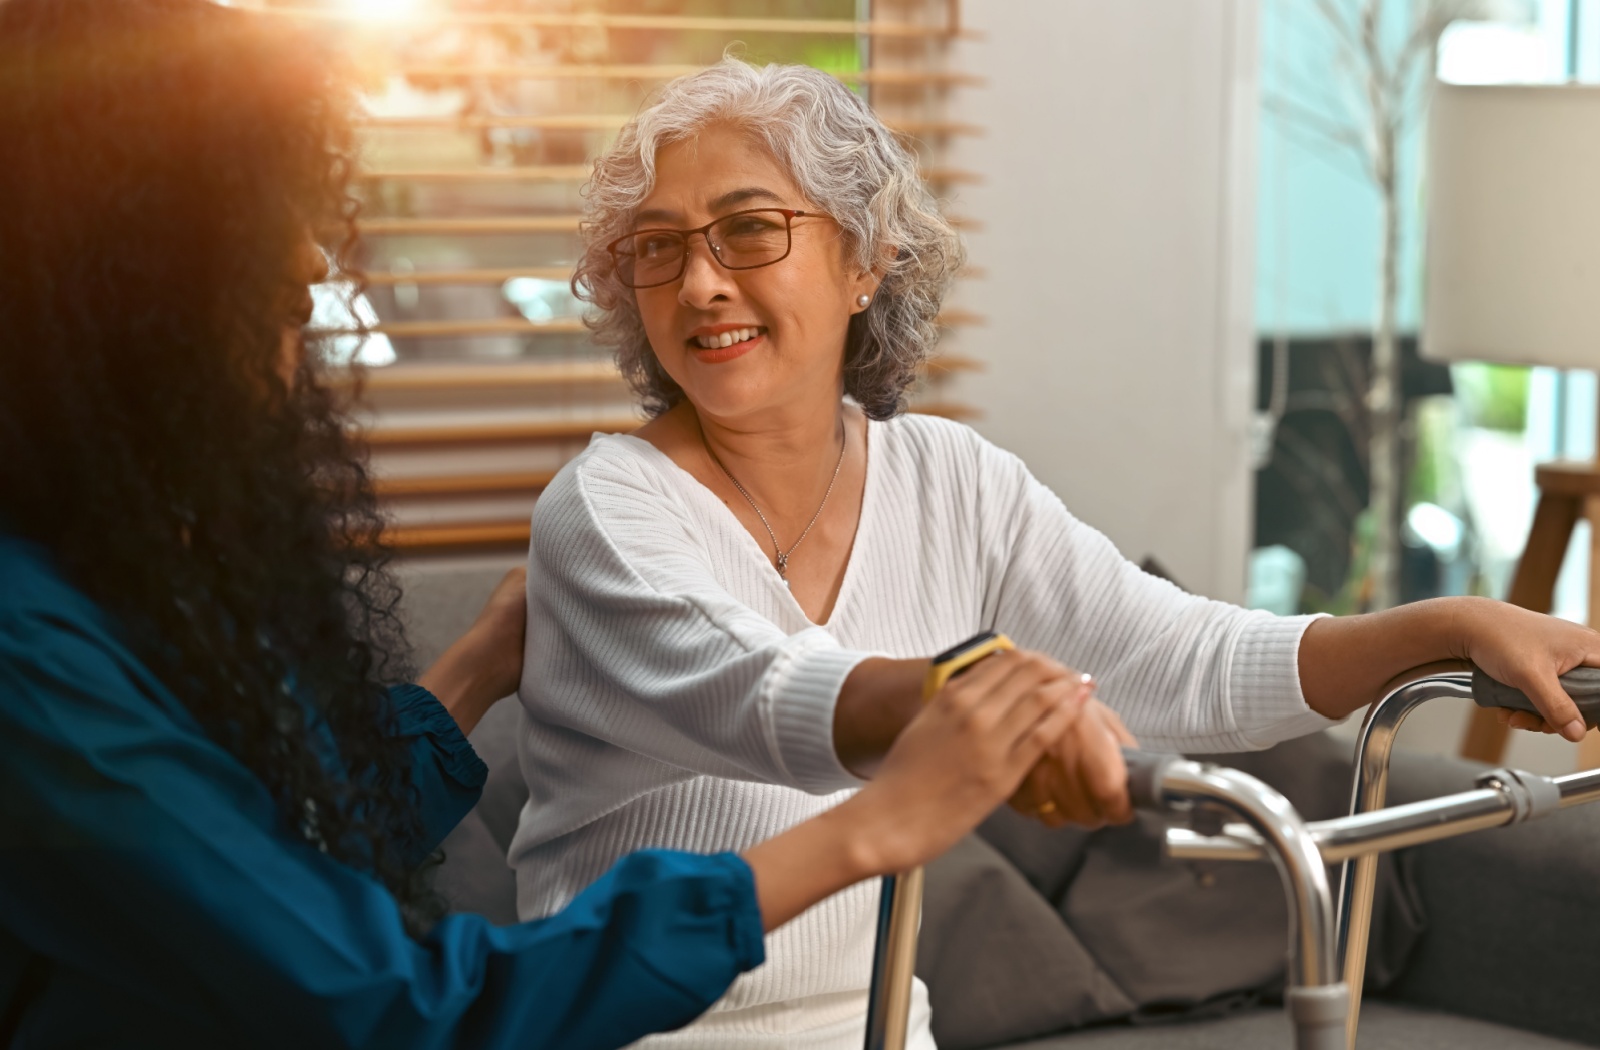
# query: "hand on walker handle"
1083,779
962,755
969,749
1582,684
1529,652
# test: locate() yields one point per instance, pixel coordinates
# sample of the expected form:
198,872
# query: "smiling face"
744,343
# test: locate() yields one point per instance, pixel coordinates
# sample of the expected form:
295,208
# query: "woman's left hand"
1528,651
485,664
1082,780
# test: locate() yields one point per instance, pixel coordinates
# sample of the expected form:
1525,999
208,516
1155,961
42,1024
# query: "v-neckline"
772,579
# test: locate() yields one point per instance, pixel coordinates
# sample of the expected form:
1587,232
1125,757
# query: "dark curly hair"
164,160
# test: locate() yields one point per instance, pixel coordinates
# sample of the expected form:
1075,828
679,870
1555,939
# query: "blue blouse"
150,896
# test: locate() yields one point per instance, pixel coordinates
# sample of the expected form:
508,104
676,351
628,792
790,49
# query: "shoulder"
619,493
35,592
932,447
55,640
613,472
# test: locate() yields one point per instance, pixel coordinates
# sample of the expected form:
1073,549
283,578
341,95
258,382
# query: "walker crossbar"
1315,999
1368,834
1234,816
1503,797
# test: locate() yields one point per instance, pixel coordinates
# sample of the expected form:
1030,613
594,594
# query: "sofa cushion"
1002,964
1513,915
1173,939
1384,1026
1177,936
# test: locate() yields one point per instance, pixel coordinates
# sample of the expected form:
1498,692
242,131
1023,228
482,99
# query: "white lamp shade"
1513,188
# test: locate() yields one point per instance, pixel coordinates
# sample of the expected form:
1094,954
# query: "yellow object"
960,658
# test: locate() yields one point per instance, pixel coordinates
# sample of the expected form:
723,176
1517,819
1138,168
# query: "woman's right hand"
963,755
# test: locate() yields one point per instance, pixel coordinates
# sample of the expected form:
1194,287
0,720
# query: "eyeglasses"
744,240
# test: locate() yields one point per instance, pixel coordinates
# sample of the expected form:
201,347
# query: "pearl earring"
863,300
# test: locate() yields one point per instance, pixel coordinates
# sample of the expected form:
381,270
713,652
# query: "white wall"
1117,237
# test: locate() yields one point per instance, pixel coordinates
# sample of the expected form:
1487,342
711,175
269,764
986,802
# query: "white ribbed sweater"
678,697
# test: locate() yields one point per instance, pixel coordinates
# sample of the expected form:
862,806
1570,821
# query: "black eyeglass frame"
789,215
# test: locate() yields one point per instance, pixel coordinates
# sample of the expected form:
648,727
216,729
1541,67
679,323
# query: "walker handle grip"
1581,683
1146,771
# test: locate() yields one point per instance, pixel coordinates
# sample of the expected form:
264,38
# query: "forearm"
1347,662
811,862
878,699
466,685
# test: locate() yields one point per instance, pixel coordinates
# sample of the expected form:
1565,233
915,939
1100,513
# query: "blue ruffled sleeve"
149,871
448,774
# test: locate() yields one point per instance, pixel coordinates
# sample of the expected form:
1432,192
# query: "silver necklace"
781,556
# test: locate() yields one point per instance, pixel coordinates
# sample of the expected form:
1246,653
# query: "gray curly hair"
843,159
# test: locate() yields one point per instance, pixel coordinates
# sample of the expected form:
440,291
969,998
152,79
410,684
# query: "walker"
1223,814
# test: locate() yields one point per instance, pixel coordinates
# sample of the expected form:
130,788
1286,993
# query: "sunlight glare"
382,10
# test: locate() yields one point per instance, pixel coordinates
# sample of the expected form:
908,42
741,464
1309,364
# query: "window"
479,122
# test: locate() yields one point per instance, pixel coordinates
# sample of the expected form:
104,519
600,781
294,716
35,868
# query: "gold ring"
1045,809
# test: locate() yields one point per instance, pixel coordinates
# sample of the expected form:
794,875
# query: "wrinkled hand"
964,753
1082,779
1529,651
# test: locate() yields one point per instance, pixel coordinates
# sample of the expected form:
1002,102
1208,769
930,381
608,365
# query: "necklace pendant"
783,568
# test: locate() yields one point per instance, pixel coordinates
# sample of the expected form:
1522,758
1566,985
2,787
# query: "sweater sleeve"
643,649
1185,673
144,855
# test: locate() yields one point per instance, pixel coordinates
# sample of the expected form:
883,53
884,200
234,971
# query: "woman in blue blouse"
213,804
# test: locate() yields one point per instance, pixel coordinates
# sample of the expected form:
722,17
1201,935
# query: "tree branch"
1346,32
1317,132
1329,128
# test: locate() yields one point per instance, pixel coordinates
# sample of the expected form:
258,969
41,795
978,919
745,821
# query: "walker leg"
1369,789
893,961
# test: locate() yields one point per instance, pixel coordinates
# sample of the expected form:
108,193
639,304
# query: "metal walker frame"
1234,816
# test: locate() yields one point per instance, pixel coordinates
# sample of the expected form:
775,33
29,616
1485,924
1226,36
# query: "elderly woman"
734,606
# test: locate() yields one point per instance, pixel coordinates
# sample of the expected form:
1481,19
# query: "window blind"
479,119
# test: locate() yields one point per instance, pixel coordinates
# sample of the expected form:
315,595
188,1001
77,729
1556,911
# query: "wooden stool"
1567,491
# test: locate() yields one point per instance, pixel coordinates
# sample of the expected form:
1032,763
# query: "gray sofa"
1073,941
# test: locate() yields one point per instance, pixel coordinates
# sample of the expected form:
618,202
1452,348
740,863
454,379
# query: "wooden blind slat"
502,274
521,326
488,173
483,276
578,429
487,376
471,326
495,535
570,173
462,484
498,224
610,122
508,224
669,23
497,432
478,122
500,375
579,71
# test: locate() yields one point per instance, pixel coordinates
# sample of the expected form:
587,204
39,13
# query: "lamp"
1513,276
